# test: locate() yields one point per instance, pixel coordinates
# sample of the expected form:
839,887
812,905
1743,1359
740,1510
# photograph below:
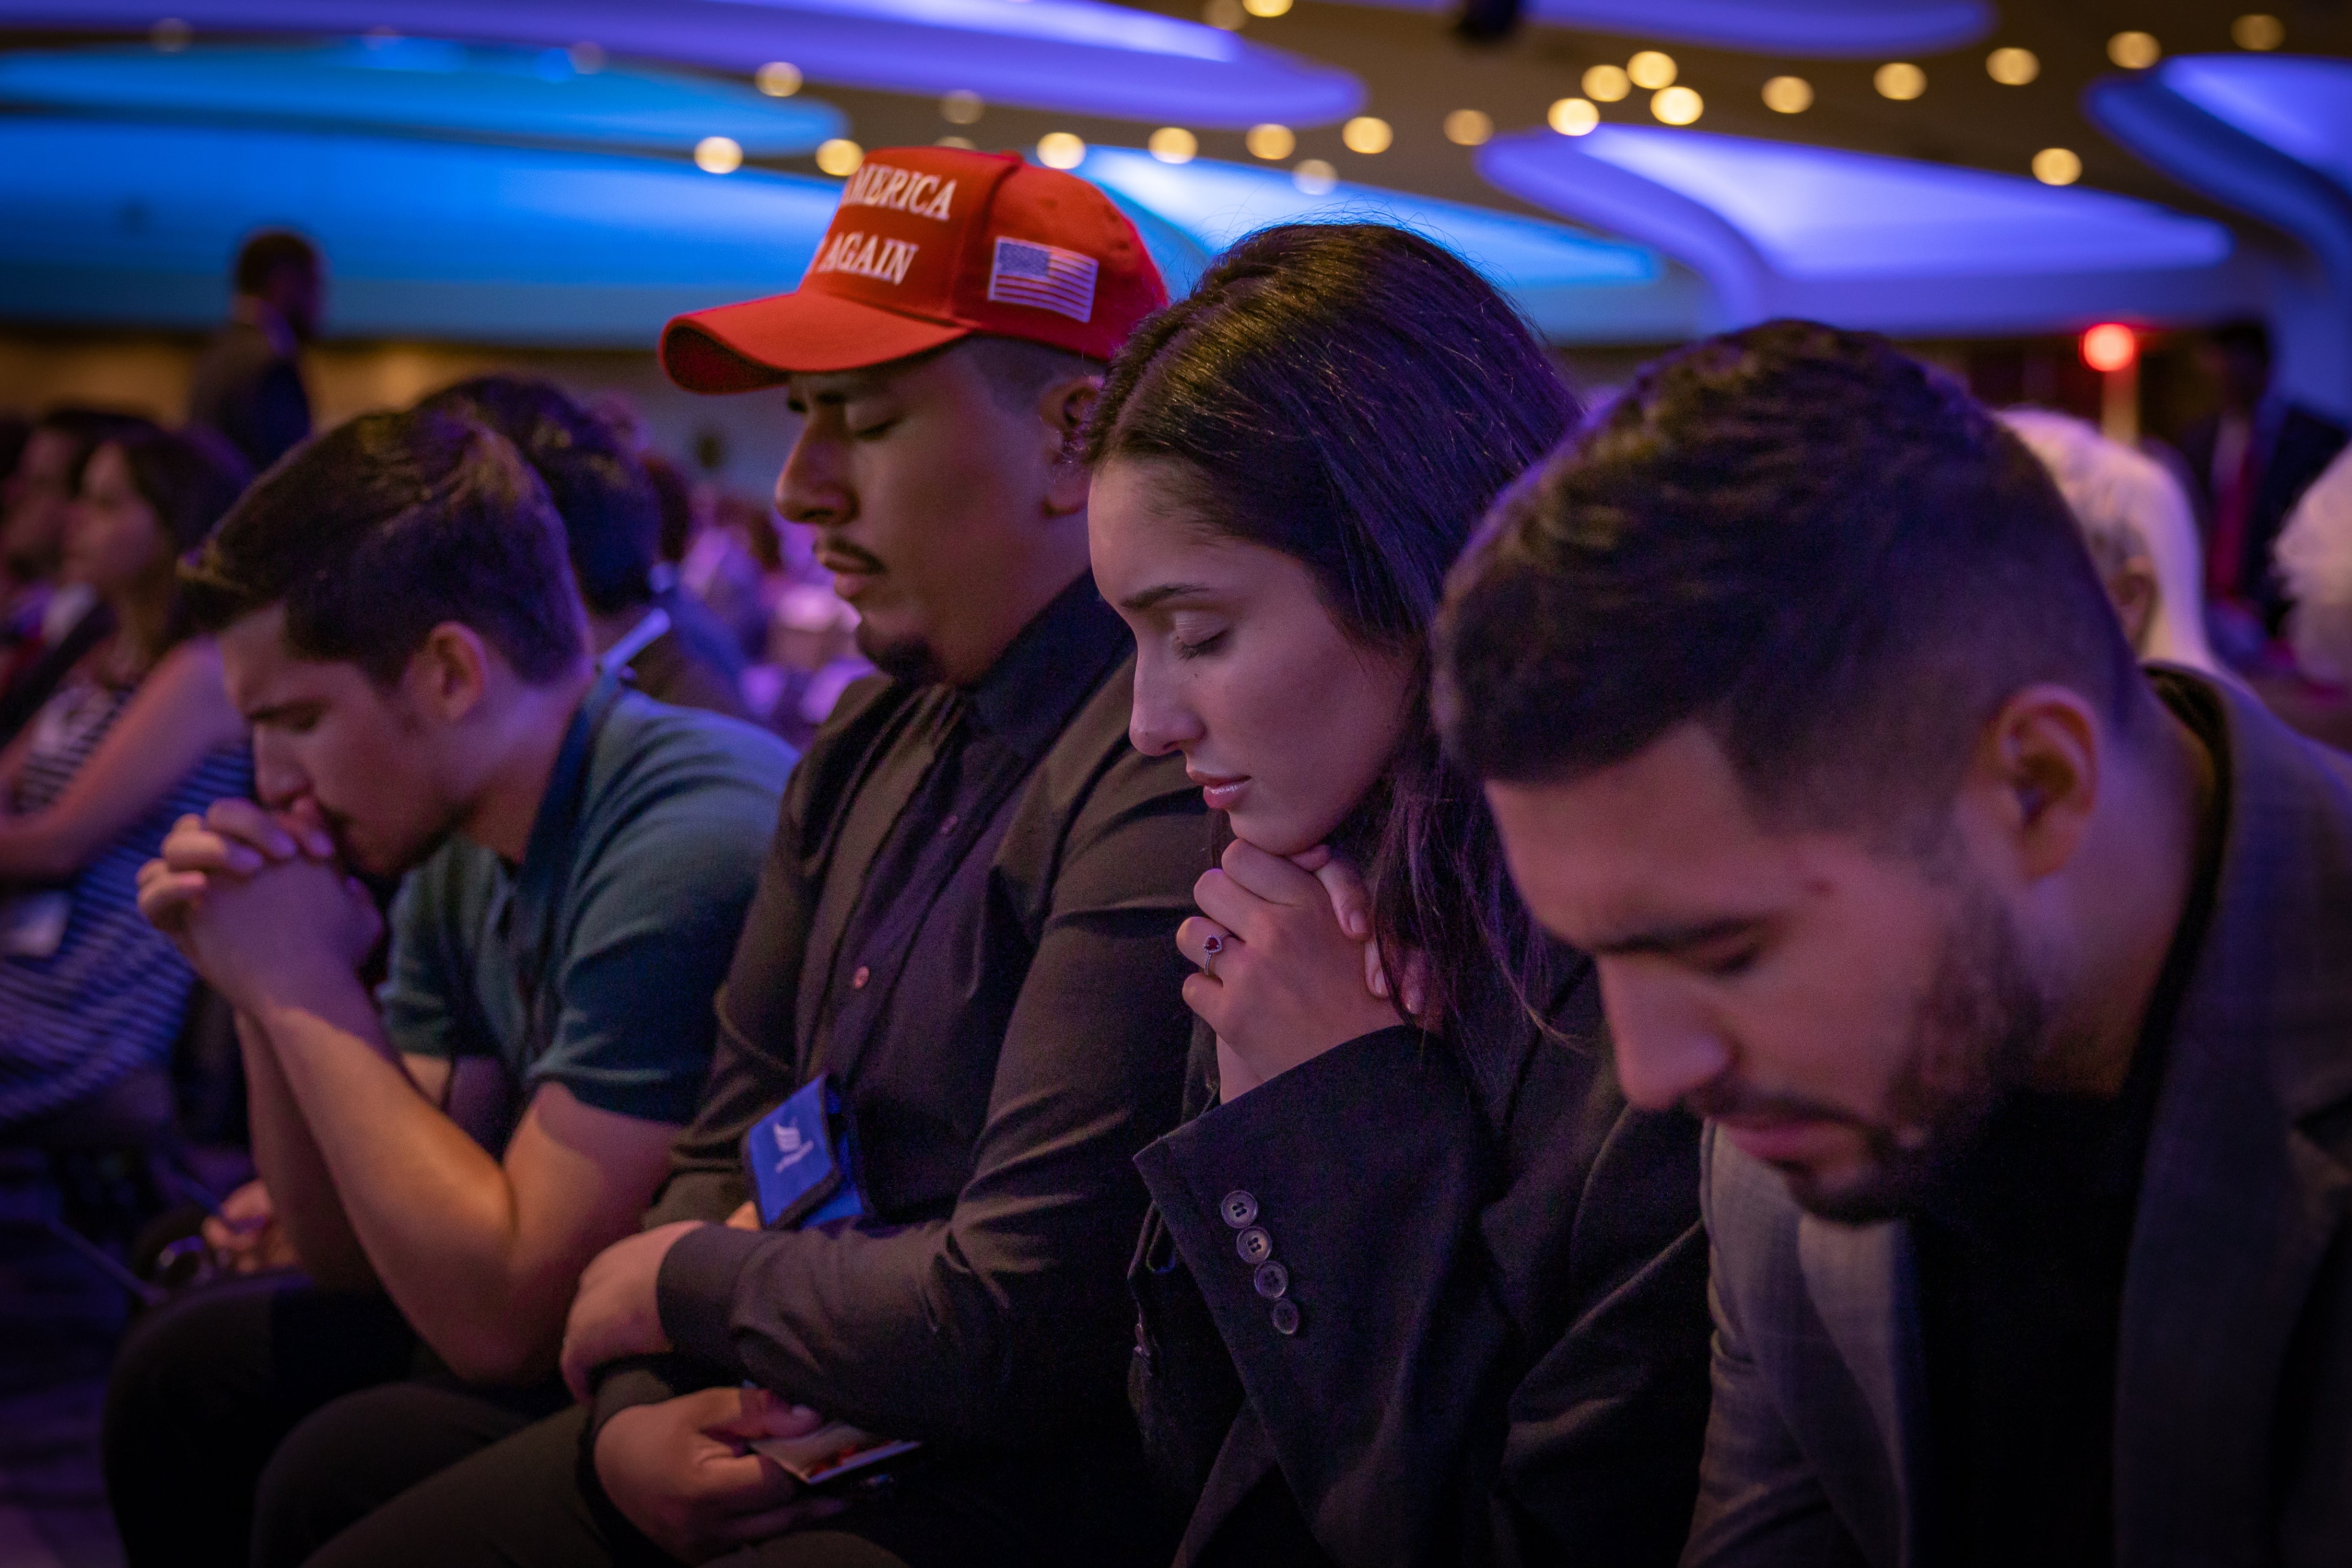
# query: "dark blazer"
251,393
2299,452
1486,1340
1015,1033
2233,1395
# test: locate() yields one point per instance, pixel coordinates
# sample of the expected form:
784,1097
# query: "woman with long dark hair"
1417,1287
140,732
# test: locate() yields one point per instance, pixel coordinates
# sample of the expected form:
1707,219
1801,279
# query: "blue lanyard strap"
547,860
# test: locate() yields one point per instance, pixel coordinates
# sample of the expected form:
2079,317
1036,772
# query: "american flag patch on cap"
1046,276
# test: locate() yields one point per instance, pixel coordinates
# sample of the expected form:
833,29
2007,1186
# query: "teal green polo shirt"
594,963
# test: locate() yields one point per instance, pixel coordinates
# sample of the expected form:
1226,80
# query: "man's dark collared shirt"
967,919
590,963
2022,1257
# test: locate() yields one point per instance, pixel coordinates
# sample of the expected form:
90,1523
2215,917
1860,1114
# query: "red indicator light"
2110,346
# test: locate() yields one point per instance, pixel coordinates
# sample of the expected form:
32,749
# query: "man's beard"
910,659
1975,1033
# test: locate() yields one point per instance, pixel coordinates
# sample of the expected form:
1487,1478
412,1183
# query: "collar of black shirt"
1056,662
2038,1150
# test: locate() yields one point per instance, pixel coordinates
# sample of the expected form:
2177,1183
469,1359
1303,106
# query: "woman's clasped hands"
1288,965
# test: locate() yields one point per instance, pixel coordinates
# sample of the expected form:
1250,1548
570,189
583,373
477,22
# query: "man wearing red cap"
955,1012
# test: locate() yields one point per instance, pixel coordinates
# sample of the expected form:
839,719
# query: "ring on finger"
1210,948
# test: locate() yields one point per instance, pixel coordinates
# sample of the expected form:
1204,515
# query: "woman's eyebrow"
1138,602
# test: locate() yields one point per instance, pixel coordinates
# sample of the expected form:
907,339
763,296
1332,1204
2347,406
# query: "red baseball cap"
929,244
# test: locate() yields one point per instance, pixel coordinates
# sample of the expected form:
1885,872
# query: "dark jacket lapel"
1863,1284
2240,1200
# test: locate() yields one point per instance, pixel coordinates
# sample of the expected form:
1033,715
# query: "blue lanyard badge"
801,1159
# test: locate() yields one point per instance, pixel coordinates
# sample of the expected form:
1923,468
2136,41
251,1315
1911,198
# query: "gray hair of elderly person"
2136,519
2315,560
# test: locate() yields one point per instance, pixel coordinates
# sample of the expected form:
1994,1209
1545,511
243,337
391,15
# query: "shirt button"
1253,1245
1240,1210
1286,1318
949,825
1271,1280
857,981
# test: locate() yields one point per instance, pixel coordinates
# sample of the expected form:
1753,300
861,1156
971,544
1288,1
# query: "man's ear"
1064,408
449,674
2036,774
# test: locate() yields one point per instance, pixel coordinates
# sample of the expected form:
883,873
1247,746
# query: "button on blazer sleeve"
1009,1317
1434,1399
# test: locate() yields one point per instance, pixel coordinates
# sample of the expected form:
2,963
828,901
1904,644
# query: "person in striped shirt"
139,731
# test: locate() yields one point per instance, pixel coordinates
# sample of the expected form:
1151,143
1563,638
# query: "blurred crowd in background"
765,637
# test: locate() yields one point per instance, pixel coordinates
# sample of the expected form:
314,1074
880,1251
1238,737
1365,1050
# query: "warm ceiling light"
961,107
1271,142
777,78
1266,7
717,155
960,143
1573,116
2257,32
2057,166
1469,127
2012,66
1367,133
2135,51
1788,95
1651,70
1225,14
1607,84
1173,144
1060,150
2110,346
1315,177
1677,106
839,157
1900,80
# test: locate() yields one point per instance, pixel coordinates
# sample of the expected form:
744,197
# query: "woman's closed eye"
1194,647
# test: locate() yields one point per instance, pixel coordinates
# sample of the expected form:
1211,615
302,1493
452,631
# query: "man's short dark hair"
1822,550
386,527
1017,369
190,478
262,256
612,514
